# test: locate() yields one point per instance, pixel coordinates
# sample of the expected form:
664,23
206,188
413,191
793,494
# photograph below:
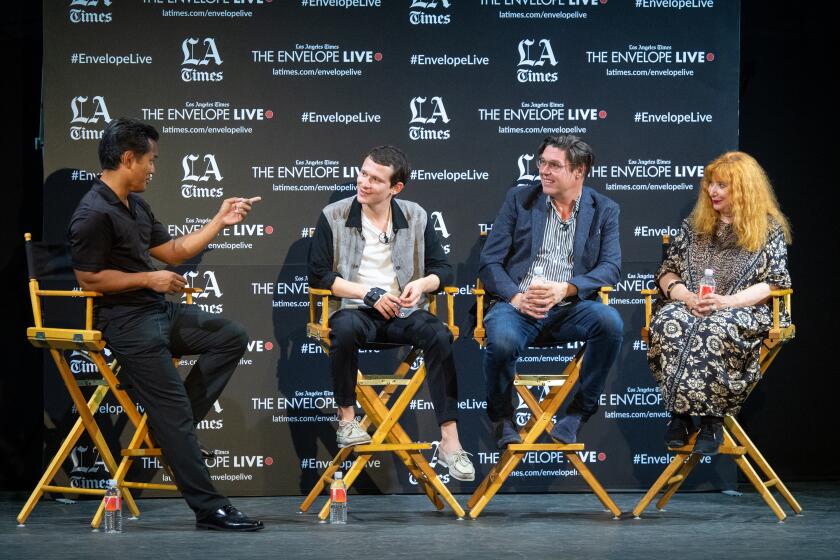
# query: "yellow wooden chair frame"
736,442
389,435
55,340
542,412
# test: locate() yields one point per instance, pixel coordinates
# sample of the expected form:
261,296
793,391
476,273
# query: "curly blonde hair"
754,204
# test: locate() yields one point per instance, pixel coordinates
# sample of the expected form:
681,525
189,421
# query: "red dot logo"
377,56
602,1
602,114
710,56
269,230
268,461
269,345
269,114
602,456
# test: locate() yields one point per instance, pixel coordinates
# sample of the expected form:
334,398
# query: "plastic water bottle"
338,497
539,276
113,508
707,284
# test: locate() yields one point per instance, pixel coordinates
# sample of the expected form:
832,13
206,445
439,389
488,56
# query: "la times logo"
527,169
533,56
201,169
440,227
428,12
88,11
88,111
210,290
199,54
428,115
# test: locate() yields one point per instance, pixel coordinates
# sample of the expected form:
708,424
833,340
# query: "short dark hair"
123,135
394,157
578,152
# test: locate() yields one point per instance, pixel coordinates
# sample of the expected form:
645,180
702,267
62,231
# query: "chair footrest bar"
724,450
69,490
540,380
378,447
523,447
674,479
771,483
149,486
374,380
141,453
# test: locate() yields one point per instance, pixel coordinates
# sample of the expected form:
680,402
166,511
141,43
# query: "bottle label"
706,289
113,503
338,495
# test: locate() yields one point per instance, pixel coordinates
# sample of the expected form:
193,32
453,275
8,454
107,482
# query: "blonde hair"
753,201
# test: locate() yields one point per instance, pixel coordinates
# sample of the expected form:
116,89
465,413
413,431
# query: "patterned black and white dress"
708,366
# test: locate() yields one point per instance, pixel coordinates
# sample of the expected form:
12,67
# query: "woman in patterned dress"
704,351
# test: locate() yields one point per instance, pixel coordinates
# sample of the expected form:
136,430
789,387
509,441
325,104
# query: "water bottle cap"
338,475
709,272
111,483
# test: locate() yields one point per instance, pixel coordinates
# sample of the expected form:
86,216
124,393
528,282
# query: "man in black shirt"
113,235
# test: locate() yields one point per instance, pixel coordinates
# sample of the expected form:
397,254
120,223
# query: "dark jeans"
351,329
510,332
144,344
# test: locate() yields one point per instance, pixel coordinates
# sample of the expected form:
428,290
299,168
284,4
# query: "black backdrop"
781,72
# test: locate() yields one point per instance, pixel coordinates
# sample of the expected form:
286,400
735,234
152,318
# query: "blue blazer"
518,233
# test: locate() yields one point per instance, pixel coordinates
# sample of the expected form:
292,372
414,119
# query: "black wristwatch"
373,296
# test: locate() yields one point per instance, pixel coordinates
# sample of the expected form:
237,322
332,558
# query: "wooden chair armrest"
450,292
314,294
648,308
67,293
780,296
320,292
604,294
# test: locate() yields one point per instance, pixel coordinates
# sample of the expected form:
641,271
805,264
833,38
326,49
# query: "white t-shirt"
376,269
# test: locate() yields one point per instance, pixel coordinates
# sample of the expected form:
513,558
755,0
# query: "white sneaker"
460,466
351,433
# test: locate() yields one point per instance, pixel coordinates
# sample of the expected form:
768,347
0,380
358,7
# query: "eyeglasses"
552,165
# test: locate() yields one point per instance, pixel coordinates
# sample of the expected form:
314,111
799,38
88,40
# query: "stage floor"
695,525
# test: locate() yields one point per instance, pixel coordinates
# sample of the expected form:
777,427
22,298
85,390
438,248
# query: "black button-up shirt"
105,234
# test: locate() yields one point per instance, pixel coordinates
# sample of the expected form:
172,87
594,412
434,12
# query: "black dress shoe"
710,436
206,452
227,518
679,430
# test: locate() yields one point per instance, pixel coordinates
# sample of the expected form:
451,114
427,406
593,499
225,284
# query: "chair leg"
376,409
444,492
593,483
773,479
322,483
675,464
754,479
140,434
677,481
507,463
60,456
349,479
85,414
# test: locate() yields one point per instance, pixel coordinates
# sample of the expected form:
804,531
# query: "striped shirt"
556,254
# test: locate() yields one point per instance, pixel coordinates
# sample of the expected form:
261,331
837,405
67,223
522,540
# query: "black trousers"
351,329
144,343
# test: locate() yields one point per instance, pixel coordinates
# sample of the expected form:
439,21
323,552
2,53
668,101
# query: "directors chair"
736,442
389,435
557,388
90,342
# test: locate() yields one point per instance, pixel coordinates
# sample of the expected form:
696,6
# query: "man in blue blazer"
553,244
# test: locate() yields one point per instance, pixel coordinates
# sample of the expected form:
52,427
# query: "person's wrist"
373,296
